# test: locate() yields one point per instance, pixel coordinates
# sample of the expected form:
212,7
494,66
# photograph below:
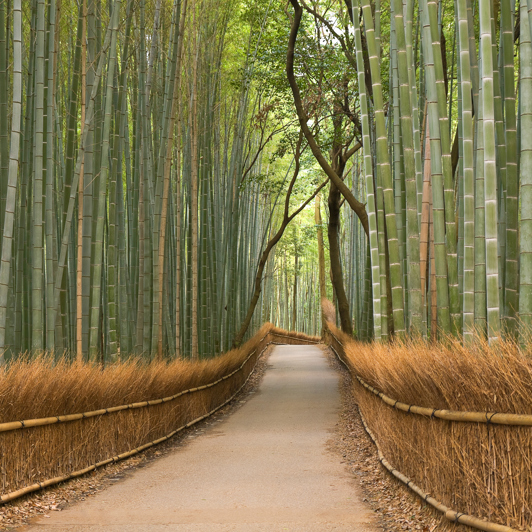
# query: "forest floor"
324,479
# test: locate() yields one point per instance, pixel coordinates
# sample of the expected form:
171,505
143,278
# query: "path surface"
264,468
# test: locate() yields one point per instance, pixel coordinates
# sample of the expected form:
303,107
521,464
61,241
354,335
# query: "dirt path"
265,468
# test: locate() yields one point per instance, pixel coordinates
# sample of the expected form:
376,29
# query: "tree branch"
287,218
357,206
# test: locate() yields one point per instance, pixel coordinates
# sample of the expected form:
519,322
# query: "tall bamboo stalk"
490,172
384,173
9,217
525,112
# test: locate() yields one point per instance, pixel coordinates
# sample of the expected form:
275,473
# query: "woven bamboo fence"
475,467
36,453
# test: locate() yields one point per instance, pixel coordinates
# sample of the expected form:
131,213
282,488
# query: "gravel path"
265,468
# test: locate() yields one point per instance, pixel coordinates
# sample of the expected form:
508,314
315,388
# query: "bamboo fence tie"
496,418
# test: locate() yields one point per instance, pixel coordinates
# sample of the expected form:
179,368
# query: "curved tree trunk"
287,218
336,264
357,206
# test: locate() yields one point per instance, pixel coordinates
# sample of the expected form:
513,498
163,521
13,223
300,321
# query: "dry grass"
329,310
483,470
40,388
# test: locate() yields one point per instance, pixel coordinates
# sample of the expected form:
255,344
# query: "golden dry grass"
329,310
483,470
40,388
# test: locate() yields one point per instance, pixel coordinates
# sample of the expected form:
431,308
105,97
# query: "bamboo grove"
124,145
443,114
173,173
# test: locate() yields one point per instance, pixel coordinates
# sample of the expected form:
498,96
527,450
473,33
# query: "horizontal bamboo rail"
53,420
451,515
61,419
518,420
41,485
313,342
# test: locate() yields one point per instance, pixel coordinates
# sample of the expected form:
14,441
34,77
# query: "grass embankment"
482,469
38,388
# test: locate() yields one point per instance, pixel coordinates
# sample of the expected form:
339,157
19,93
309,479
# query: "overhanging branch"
358,207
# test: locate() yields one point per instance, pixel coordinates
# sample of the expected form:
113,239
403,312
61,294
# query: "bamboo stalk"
384,171
9,216
490,174
525,136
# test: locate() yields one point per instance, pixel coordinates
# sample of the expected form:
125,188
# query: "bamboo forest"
168,171
325,201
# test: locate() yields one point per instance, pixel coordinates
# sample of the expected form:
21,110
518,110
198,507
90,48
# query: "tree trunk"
321,258
336,264
294,309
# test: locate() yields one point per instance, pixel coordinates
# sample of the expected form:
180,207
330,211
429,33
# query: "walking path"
264,468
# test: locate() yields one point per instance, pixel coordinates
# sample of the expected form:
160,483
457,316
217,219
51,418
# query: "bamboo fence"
477,461
37,453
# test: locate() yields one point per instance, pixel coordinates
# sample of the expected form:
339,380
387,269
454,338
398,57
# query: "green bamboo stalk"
480,220
468,307
4,96
490,173
442,255
154,190
167,166
383,168
500,167
525,162
396,155
50,250
410,57
511,278
378,27
194,191
119,300
89,171
446,163
9,217
37,229
24,218
459,171
140,287
407,138
94,340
